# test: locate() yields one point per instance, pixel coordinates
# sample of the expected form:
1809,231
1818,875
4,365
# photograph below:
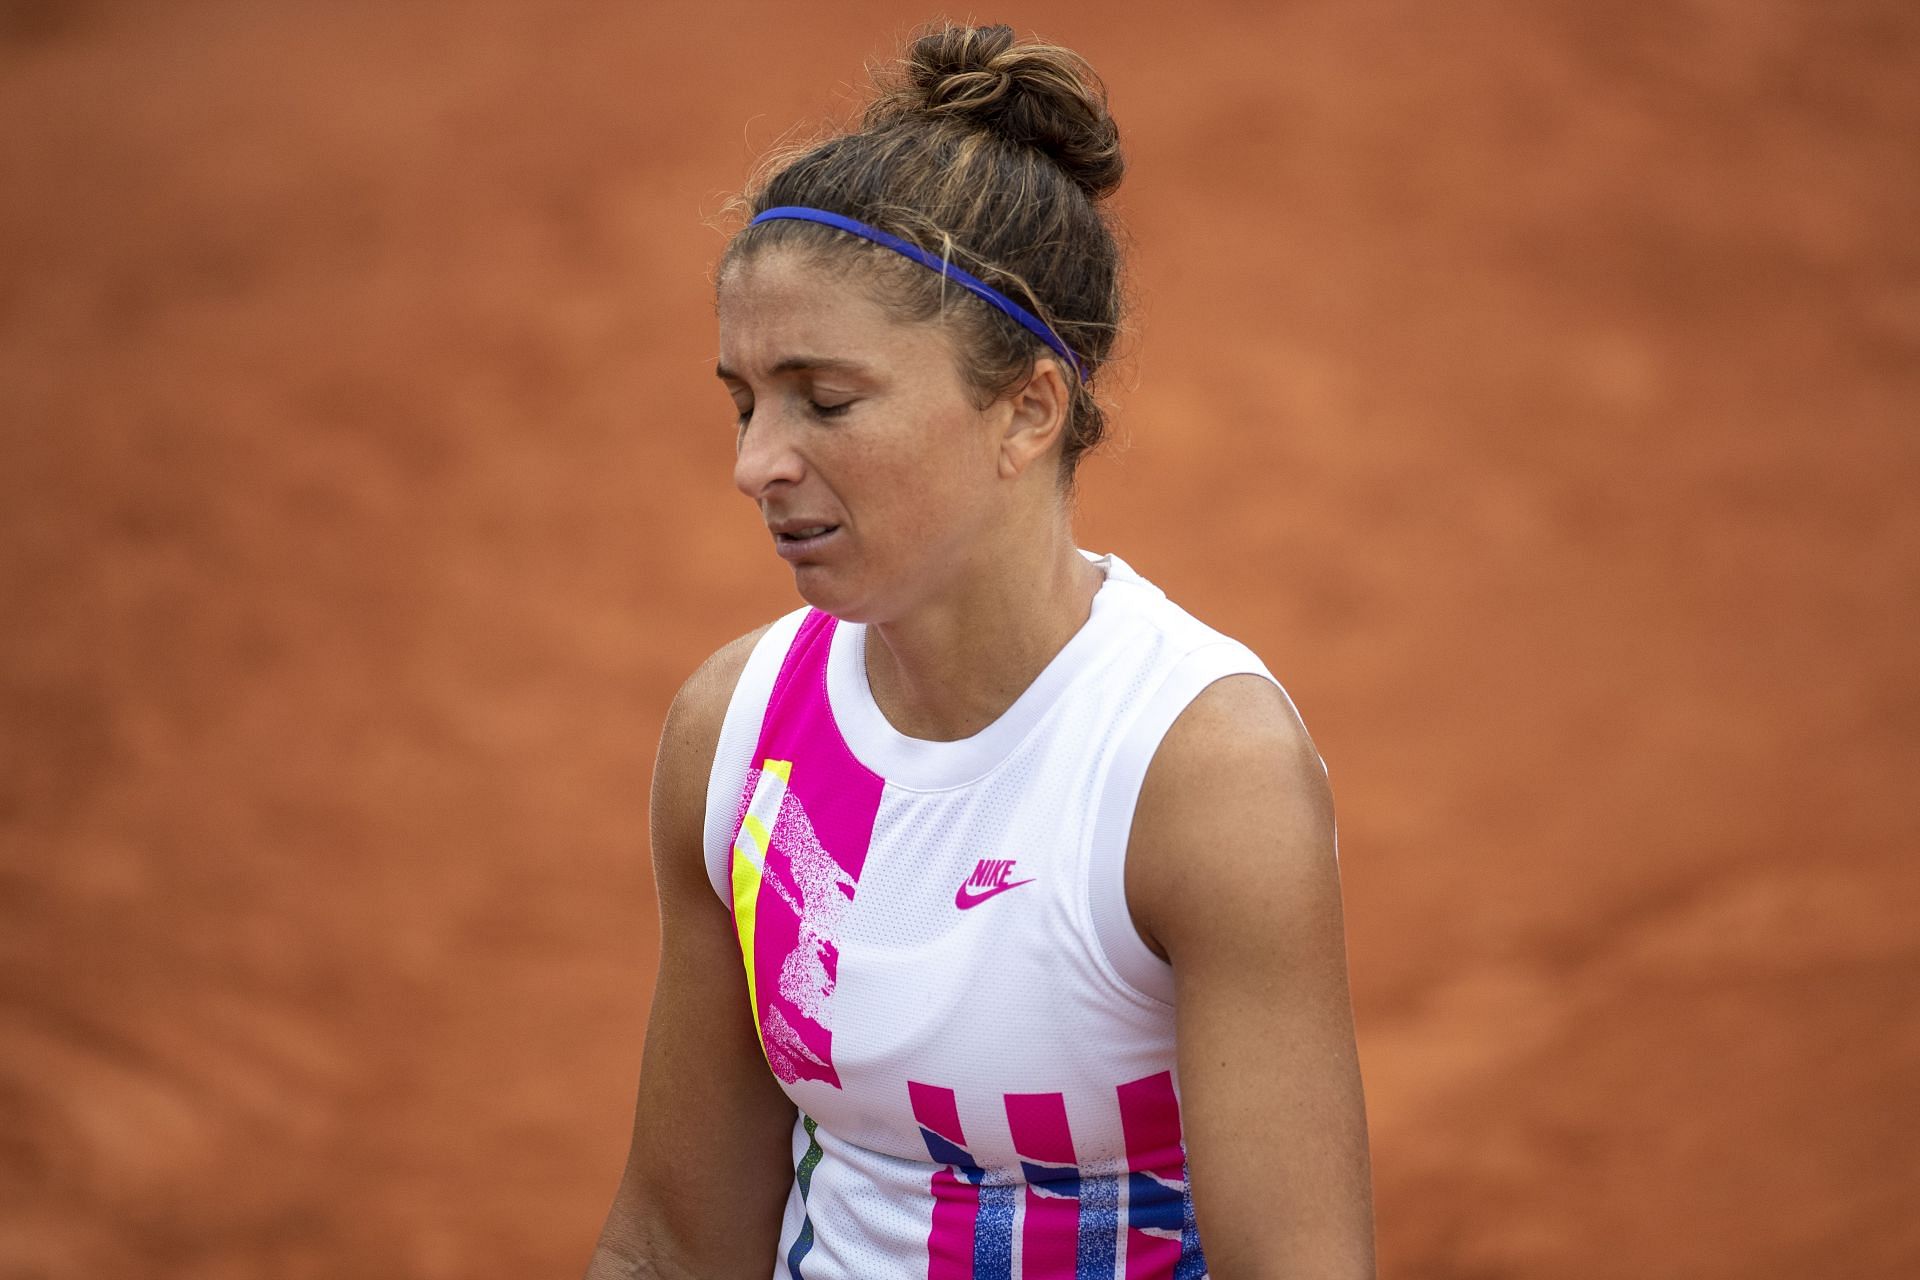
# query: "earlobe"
1036,419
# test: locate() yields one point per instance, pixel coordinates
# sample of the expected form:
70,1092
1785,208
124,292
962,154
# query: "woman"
1001,928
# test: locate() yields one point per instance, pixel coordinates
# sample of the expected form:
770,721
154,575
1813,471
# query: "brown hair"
994,155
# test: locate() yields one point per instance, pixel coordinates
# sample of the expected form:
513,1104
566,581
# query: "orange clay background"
1535,386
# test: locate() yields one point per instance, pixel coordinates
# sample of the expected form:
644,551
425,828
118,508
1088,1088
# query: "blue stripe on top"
993,1232
1099,1227
972,284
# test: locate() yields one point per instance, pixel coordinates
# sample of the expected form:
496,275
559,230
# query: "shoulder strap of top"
738,734
1132,960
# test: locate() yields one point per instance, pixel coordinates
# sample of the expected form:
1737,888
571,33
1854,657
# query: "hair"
995,156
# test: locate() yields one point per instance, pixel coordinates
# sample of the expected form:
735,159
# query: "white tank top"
944,974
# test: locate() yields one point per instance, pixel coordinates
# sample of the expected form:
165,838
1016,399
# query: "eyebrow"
793,364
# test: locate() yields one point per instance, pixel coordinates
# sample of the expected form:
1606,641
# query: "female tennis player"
1001,926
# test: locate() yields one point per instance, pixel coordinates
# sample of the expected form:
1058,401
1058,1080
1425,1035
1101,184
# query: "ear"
1036,418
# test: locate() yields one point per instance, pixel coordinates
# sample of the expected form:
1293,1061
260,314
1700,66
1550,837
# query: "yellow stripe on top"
750,865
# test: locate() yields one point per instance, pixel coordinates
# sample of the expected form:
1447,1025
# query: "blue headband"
978,288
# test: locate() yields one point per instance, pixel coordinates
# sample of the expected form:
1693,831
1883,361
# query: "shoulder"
692,730
1235,806
1242,896
700,706
1240,724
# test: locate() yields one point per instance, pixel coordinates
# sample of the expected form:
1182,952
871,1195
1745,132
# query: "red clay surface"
1536,387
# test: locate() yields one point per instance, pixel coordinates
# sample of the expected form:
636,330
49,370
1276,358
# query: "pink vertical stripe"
1039,1123
1050,1238
938,1110
1150,1119
956,1200
843,794
831,803
956,1207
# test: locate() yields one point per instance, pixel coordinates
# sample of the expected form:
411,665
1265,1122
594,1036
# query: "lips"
796,539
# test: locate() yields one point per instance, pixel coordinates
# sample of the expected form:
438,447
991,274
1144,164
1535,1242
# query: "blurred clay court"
1535,386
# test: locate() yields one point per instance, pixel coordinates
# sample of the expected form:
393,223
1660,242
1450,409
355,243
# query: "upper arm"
1232,874
709,1168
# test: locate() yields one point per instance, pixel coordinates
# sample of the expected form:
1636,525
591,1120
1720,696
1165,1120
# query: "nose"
765,456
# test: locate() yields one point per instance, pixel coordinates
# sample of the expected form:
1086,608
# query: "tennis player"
1001,925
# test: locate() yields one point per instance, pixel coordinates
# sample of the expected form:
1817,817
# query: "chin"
834,593
828,592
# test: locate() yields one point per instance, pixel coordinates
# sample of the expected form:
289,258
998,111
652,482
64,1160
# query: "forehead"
777,303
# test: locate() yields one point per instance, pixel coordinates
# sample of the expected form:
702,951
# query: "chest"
943,982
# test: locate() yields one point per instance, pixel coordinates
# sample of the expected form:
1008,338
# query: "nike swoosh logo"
962,899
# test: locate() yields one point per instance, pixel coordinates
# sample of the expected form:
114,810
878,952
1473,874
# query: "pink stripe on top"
956,1199
1050,1238
1156,1161
817,847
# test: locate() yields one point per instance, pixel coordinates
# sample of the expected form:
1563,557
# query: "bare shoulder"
700,707
701,703
687,743
1235,802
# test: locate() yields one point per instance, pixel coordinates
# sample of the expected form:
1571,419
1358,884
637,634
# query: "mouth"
795,541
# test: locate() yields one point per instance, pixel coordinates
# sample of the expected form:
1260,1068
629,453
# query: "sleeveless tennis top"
942,968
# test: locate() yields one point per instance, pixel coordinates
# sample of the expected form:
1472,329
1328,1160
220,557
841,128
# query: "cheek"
938,472
912,475
906,490
916,451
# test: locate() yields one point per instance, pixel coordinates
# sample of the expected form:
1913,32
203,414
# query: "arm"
710,1166
1231,873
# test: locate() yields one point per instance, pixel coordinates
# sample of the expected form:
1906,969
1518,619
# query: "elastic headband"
978,288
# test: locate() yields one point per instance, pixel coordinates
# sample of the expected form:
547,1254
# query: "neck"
955,664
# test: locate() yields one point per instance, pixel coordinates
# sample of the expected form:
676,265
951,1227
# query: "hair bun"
1036,95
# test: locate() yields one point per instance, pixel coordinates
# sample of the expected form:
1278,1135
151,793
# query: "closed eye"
818,410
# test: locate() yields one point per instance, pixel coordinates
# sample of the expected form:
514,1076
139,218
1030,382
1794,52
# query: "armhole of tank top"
1133,962
739,734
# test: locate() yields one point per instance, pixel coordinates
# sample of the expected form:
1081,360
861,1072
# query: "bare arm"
1231,873
709,1169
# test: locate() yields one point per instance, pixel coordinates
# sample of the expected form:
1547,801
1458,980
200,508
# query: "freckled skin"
909,470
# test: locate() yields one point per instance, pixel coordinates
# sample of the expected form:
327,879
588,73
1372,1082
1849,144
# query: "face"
877,478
